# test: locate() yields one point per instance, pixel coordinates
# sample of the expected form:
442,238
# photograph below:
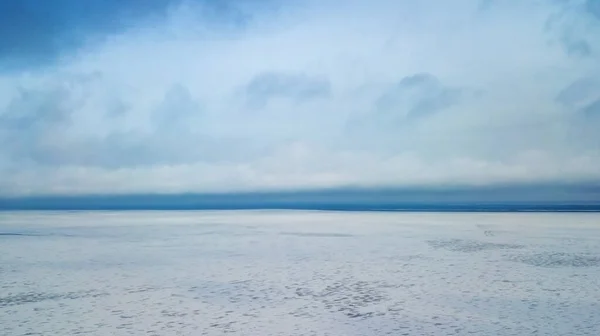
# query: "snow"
299,273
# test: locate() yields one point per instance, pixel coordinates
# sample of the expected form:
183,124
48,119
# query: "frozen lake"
299,273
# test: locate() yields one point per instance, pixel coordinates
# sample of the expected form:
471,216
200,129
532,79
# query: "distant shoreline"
568,209
525,198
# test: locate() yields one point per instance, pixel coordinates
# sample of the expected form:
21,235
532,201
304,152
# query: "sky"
205,96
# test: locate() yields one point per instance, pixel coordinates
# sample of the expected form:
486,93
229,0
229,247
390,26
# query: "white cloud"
312,94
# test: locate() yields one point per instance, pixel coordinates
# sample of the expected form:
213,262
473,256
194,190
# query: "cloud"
417,96
299,88
579,91
592,110
593,7
576,26
576,47
202,96
38,33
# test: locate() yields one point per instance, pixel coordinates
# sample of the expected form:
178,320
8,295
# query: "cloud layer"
200,96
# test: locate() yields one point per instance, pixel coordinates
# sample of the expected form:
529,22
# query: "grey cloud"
34,126
576,46
485,5
177,106
585,126
575,33
172,140
418,80
35,121
434,103
583,98
349,124
38,127
135,149
34,33
417,96
296,87
593,7
387,126
578,91
592,110
116,108
35,109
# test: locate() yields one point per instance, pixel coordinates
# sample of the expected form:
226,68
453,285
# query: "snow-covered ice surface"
299,273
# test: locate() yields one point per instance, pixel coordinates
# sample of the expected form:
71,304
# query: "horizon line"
530,197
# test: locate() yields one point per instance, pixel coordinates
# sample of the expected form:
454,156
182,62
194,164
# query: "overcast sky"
107,96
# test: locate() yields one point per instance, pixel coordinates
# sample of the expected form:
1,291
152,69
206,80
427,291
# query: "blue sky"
205,96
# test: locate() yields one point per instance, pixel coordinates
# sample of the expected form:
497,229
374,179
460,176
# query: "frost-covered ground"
299,273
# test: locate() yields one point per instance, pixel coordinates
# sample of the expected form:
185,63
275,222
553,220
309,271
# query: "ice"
299,273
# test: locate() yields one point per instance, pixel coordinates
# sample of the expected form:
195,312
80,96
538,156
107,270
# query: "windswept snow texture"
299,273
